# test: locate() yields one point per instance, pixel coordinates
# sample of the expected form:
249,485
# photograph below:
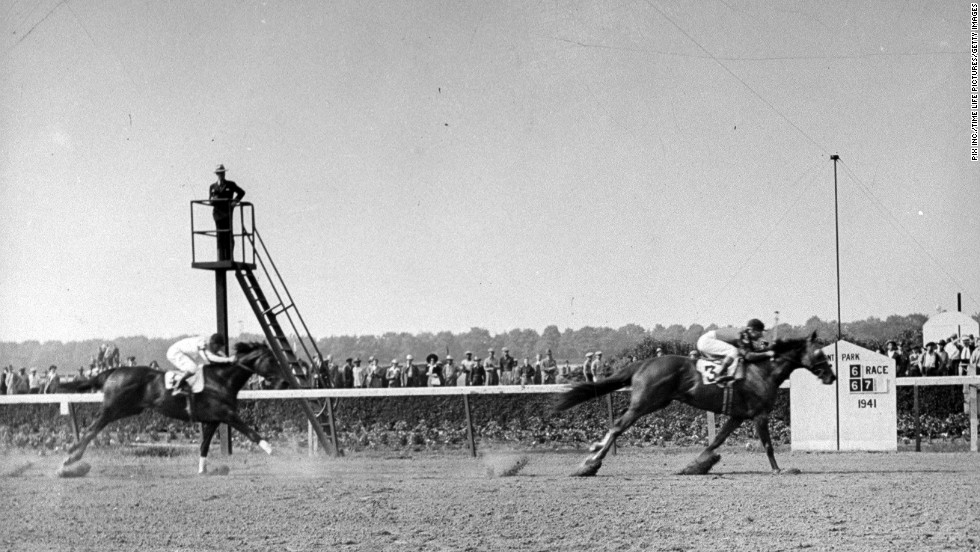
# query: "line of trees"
567,345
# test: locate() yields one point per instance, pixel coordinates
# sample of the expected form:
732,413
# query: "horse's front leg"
236,422
207,433
704,462
762,428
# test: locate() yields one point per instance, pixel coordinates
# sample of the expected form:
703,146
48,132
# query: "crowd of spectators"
25,381
953,356
435,372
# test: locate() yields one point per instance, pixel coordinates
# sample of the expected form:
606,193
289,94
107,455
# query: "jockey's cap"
220,169
755,324
217,339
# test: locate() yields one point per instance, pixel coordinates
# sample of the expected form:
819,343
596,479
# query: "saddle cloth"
195,380
711,372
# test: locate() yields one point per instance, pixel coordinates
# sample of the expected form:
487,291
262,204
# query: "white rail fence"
65,400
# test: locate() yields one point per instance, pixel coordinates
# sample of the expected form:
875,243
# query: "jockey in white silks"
190,354
728,345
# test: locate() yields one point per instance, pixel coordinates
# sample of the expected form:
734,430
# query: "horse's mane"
782,346
246,347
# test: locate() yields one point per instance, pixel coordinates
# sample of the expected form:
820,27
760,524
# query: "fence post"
915,414
712,428
973,418
469,424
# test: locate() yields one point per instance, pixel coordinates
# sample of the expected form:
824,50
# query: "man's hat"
468,353
448,357
432,358
588,354
598,353
755,324
891,342
931,344
349,359
408,357
357,361
220,169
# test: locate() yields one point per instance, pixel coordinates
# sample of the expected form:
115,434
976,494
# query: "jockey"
729,345
189,354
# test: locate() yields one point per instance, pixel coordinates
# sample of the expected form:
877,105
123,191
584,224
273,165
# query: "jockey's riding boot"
726,372
739,372
180,386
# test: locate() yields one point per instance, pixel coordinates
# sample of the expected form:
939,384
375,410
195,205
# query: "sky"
429,166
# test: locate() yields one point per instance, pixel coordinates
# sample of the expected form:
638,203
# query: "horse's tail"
89,384
581,392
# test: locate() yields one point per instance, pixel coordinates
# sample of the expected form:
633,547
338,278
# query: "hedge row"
440,422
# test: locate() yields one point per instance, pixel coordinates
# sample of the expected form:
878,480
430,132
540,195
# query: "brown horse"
130,390
657,382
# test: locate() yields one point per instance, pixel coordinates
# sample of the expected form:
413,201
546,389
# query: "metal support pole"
469,425
221,303
835,159
915,414
611,420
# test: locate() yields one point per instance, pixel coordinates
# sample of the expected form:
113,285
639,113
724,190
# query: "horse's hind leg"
704,462
236,422
640,405
77,450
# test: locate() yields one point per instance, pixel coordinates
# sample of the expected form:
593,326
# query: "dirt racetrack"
447,501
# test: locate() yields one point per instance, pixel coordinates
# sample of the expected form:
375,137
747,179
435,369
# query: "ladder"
268,315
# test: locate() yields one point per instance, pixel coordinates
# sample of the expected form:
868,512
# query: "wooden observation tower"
240,250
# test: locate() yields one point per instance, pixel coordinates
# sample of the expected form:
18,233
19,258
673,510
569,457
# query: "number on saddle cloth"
711,373
195,381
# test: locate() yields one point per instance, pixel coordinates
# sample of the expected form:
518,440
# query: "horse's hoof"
265,446
587,469
78,470
700,467
595,447
791,471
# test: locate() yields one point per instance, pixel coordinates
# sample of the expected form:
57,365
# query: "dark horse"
130,390
659,381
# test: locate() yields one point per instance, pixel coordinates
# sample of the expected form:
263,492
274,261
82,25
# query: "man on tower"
224,194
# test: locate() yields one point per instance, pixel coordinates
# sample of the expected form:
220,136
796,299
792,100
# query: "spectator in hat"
943,364
54,380
224,195
433,371
966,353
360,374
33,382
549,369
449,372
467,367
526,372
507,365
929,360
376,376
537,369
564,373
490,368
478,377
597,369
393,375
409,378
892,352
587,367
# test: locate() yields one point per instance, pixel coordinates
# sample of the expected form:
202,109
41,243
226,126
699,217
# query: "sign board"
858,412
